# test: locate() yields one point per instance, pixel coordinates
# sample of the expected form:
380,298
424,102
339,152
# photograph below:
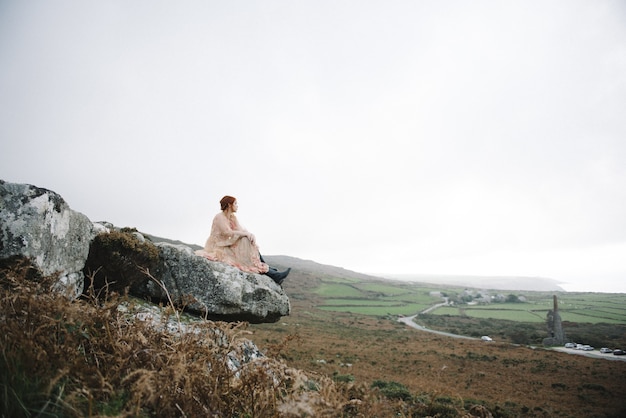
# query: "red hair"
226,202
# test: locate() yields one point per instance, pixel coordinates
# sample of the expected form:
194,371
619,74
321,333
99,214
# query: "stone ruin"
555,328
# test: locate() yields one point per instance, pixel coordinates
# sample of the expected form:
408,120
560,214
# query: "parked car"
486,338
570,345
605,350
619,352
587,347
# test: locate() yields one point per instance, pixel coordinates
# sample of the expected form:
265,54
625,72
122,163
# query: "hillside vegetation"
347,328
511,315
93,357
98,357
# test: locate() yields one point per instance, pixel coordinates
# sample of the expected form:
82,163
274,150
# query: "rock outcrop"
217,289
162,271
37,225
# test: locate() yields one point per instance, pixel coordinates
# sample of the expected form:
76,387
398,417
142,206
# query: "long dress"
227,247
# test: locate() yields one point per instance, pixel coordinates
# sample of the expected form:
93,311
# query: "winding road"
408,320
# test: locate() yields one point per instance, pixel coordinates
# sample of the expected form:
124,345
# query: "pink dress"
228,247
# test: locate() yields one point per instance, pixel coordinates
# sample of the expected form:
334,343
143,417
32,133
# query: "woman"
232,244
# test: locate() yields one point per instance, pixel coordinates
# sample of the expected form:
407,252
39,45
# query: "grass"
338,290
431,375
375,298
479,312
592,318
374,309
370,298
385,290
92,358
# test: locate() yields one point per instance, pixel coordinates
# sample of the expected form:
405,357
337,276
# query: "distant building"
498,298
483,297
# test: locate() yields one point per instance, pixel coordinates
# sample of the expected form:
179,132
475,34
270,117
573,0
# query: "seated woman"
230,243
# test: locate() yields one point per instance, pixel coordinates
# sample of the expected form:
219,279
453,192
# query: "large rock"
214,289
37,224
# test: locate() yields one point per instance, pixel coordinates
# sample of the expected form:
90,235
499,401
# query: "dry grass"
508,380
93,357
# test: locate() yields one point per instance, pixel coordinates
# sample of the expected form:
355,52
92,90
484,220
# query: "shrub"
392,390
345,378
593,386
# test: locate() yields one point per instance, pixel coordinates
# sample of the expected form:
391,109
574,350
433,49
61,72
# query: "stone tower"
556,336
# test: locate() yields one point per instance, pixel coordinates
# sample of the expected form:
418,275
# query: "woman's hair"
226,201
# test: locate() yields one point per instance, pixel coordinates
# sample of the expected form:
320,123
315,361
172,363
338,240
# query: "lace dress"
228,245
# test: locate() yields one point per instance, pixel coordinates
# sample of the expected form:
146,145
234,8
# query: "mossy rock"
118,260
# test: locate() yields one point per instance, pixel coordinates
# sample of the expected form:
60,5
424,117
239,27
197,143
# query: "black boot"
277,276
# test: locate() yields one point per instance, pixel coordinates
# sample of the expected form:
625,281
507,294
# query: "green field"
492,313
373,298
375,309
338,290
406,298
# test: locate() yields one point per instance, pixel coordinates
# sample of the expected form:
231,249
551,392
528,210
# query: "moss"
118,261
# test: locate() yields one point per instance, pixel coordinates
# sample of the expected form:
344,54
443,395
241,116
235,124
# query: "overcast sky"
426,137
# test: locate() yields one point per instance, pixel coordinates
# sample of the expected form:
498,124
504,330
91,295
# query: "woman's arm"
243,231
226,234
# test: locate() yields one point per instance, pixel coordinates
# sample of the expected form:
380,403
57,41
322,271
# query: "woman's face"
234,206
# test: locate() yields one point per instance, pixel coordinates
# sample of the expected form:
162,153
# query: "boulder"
214,289
36,224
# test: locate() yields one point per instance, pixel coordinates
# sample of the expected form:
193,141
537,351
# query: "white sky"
439,137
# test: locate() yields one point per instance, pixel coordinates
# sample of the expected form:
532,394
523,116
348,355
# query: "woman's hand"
251,237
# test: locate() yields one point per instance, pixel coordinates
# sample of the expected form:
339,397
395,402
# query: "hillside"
318,361
512,283
484,282
511,380
319,270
